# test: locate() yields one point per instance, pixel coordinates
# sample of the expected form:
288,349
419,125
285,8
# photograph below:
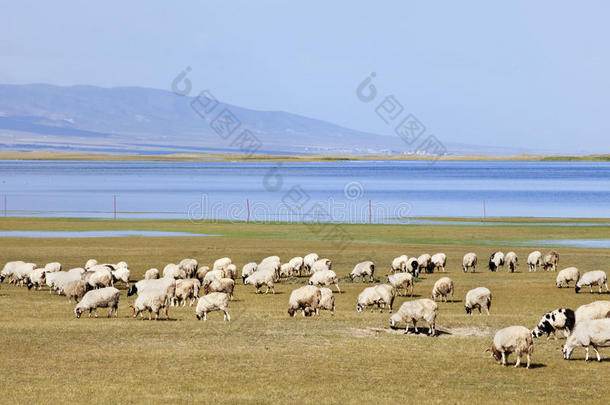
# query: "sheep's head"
78,312
495,353
291,312
567,351
359,307
198,316
132,290
2,278
577,289
468,310
133,310
394,319
352,276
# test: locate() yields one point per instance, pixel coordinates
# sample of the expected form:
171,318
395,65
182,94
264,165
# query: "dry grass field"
264,356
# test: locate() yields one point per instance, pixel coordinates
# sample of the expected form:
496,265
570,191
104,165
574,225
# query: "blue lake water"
92,234
360,191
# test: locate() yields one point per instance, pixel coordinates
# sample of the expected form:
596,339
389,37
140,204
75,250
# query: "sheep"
215,301
439,261
221,264
225,285
591,278
59,280
306,298
425,263
185,289
321,265
167,285
107,297
399,264
151,274
401,280
121,264
21,273
479,297
514,339
271,267
9,269
363,270
594,310
37,279
271,259
593,332
211,276
380,295
423,309
231,271
496,260
260,278
77,270
247,270
296,263
442,288
469,262
413,267
550,261
189,266
561,318
153,301
90,263
566,275
52,267
101,277
324,278
75,289
285,270
512,260
174,271
201,272
327,302
121,274
308,262
534,260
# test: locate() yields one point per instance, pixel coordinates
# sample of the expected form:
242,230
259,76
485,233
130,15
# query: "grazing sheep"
591,278
594,310
567,275
559,319
306,298
534,260
425,263
512,260
211,276
324,278
413,311
439,261
322,265
185,289
221,264
153,301
442,288
550,261
103,298
271,259
52,267
231,271
215,301
174,271
21,273
271,267
225,285
401,280
201,272
37,279
75,289
363,270
594,332
151,274
121,274
101,277
479,297
327,302
166,285
399,264
57,281
9,269
121,264
189,266
308,262
247,270
285,270
260,278
496,260
413,267
380,295
514,339
90,263
77,270
469,262
296,263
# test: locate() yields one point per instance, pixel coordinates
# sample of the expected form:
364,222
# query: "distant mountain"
140,120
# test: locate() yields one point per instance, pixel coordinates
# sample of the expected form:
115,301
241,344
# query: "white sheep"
496,260
164,284
21,273
469,262
215,301
306,298
174,271
324,278
225,285
153,301
9,269
594,332
260,278
401,280
309,260
201,272
566,275
101,277
363,270
550,261
285,270
442,288
514,339
103,298
327,302
121,264
247,270
271,259
534,260
322,265
512,261
211,276
189,266
90,263
222,263
75,289
593,310
439,261
380,295
52,267
591,278
37,279
423,309
77,270
425,263
479,297
399,264
58,280
121,274
185,289
271,267
231,271
296,263
151,274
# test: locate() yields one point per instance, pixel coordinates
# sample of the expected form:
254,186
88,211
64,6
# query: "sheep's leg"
414,325
503,358
95,310
518,360
184,302
149,314
529,358
273,290
591,289
606,284
228,316
587,353
205,316
596,352
338,289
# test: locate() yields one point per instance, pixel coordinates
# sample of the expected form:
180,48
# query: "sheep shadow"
533,365
422,331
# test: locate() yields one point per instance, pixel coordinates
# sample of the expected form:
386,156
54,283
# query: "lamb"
413,311
380,295
324,278
469,262
594,310
174,271
478,298
9,269
591,278
101,277
442,288
185,289
534,260
151,274
37,279
306,298
75,289
550,261
401,280
225,285
512,261
260,278
561,318
296,263
167,285
121,274
201,272
363,270
90,263
52,267
247,270
189,266
496,260
211,276
594,332
425,263
153,301
221,264
399,264
566,275
215,301
439,261
321,265
308,262
107,297
514,339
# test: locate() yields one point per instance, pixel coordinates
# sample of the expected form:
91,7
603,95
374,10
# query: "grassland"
262,355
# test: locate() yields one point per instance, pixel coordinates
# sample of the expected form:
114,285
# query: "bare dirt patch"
467,331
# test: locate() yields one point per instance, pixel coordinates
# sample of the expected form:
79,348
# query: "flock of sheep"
93,286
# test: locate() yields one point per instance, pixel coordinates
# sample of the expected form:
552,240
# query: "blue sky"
521,73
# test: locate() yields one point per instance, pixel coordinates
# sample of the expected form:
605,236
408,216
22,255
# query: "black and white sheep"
496,260
559,319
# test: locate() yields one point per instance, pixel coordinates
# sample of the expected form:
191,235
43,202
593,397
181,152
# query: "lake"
343,191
